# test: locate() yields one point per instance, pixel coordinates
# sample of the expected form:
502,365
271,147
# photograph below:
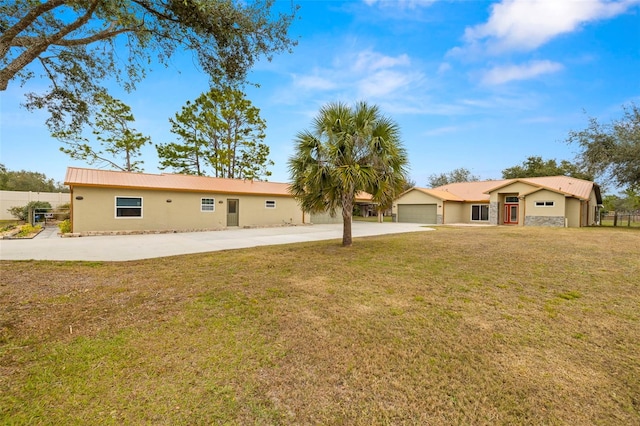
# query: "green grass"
453,326
622,223
372,219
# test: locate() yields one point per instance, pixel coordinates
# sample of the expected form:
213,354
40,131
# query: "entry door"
232,212
510,214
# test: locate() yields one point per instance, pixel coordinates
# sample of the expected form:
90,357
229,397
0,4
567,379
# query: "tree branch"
8,36
102,35
35,50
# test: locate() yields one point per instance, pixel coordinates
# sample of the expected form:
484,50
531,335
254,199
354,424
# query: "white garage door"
417,213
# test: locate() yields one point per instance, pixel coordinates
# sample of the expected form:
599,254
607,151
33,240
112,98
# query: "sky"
474,84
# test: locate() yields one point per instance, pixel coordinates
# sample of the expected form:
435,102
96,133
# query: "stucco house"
111,201
538,201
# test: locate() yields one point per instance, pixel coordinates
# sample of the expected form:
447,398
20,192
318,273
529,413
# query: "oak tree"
79,44
457,175
536,167
612,150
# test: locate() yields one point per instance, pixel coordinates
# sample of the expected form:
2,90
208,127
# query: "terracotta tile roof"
109,178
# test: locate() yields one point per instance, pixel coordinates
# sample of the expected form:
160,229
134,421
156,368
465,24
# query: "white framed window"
511,199
207,204
545,203
479,212
129,207
270,204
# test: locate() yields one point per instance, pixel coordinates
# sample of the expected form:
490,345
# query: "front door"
232,212
510,214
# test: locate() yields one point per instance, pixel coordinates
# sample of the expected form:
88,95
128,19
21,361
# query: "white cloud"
528,24
444,67
313,82
384,83
505,74
442,131
402,4
369,61
360,74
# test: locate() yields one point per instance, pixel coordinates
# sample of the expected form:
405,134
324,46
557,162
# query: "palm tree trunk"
347,213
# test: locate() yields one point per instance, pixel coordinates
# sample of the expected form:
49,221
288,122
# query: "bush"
27,230
22,213
64,214
65,226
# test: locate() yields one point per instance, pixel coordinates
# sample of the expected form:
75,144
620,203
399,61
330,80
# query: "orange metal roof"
479,191
177,182
109,178
472,191
563,184
438,193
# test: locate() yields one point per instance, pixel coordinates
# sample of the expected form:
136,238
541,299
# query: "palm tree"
347,151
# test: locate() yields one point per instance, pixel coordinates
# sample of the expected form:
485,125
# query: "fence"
10,199
48,217
631,219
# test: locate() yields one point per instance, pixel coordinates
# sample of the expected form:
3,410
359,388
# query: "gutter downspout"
71,207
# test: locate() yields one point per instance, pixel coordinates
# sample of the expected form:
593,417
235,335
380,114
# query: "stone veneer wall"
439,219
544,221
493,213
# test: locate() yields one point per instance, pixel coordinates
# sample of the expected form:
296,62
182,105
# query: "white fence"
10,199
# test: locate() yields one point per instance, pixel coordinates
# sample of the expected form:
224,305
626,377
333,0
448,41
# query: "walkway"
49,246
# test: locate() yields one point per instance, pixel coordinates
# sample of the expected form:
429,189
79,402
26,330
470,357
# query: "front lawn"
494,325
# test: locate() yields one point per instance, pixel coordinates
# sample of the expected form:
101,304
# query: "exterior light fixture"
79,197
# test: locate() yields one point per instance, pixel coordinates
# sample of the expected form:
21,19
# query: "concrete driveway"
49,246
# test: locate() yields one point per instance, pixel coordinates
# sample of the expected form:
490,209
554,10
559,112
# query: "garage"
417,213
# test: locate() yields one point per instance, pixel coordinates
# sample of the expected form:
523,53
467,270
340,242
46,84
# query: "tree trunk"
347,213
615,219
380,216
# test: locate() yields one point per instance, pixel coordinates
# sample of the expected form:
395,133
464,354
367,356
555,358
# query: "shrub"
22,213
65,226
62,211
8,227
28,229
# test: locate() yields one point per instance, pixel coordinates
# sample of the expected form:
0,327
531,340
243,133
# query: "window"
511,199
207,205
480,212
545,203
128,206
270,204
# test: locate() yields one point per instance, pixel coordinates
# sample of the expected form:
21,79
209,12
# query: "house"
114,201
537,201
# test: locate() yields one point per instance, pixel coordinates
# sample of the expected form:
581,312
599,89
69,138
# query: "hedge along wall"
10,199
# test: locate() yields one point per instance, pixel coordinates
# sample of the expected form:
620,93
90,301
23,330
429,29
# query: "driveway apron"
50,246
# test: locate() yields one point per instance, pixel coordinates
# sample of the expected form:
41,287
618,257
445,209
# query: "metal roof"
174,182
562,184
480,190
177,182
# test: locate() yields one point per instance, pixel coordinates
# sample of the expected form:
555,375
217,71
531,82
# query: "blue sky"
474,84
